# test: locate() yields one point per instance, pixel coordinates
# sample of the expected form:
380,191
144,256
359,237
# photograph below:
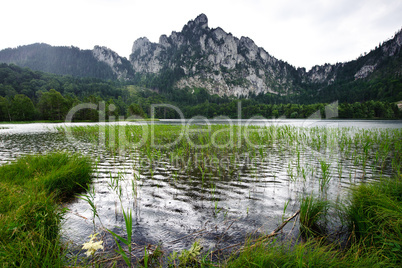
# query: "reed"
313,215
125,254
325,176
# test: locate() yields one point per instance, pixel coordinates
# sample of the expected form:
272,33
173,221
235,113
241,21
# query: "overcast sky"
303,33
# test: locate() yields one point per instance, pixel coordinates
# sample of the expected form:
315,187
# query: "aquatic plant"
313,212
187,258
128,219
325,176
89,197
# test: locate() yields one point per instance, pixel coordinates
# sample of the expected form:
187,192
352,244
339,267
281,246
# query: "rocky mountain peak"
211,59
201,21
142,44
106,55
196,27
393,46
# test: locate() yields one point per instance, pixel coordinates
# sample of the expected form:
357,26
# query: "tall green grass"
375,238
312,253
30,213
375,216
313,215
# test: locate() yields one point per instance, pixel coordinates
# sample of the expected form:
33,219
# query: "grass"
313,253
375,237
30,211
313,215
375,216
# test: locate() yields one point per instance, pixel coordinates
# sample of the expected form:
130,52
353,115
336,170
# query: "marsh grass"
126,255
312,253
313,215
373,217
325,177
30,214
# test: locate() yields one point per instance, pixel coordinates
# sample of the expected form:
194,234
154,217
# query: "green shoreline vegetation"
33,188
371,212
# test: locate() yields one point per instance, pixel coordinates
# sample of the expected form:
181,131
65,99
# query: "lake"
219,196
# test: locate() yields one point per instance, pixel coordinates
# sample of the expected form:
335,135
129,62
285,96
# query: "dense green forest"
27,95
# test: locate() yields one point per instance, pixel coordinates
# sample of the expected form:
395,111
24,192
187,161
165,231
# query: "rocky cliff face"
393,46
213,59
120,66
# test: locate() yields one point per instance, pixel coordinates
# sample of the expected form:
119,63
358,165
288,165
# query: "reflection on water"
174,203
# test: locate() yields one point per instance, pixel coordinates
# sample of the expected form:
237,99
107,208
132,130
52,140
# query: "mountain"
199,57
215,60
100,62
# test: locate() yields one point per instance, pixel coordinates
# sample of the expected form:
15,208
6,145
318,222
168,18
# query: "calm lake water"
171,205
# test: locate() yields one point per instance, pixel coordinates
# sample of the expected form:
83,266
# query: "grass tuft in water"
313,212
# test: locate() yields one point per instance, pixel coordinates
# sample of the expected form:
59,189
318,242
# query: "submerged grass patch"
30,214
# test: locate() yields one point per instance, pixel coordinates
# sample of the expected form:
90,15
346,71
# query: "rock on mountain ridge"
362,66
120,66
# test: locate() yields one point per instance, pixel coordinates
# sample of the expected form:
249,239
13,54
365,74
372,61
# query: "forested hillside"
31,95
58,60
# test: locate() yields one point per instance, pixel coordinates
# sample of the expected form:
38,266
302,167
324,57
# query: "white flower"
92,246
